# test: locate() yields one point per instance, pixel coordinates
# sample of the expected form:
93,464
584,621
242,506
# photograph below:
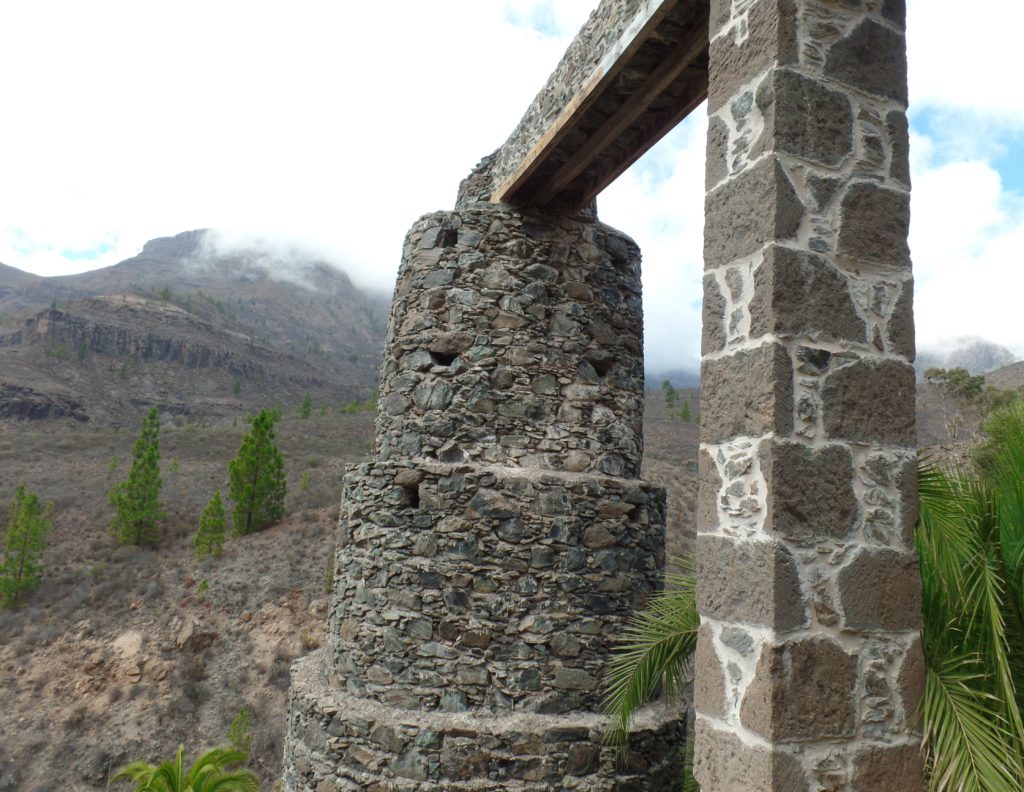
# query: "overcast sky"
334,125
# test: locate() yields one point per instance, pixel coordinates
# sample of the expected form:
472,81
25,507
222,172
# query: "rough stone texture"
725,764
802,689
871,402
770,28
759,384
340,741
499,541
876,221
807,462
901,323
805,118
810,491
527,352
727,573
896,768
750,210
709,687
709,486
881,590
872,58
713,317
910,684
801,294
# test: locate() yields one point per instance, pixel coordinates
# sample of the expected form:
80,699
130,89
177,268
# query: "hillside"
123,653
200,334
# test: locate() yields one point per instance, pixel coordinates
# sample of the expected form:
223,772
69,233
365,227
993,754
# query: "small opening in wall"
602,365
413,492
443,358
449,237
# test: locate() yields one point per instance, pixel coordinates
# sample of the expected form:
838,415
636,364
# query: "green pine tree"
671,394
256,476
685,412
210,536
27,526
136,500
307,407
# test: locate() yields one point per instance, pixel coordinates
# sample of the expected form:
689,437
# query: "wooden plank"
635,34
680,57
659,126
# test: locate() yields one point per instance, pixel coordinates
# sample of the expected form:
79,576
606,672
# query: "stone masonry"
491,552
494,548
809,666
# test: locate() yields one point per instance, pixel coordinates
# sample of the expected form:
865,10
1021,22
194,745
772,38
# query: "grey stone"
805,118
810,494
759,384
802,689
898,129
713,317
798,294
709,695
717,152
889,768
901,323
873,59
875,224
728,570
880,589
753,208
724,763
871,402
771,41
737,640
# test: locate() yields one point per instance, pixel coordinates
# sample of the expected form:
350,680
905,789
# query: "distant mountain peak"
180,246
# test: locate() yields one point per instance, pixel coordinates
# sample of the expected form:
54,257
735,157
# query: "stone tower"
494,548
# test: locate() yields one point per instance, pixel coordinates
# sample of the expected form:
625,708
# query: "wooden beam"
679,59
659,126
635,34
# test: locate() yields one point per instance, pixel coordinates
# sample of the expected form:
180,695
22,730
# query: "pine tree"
307,407
136,500
210,536
685,412
24,542
256,476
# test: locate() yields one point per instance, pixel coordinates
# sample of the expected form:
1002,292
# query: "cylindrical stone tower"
493,550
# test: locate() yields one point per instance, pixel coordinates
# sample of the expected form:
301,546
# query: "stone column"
491,553
809,664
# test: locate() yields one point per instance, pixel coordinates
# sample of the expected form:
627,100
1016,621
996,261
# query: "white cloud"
332,126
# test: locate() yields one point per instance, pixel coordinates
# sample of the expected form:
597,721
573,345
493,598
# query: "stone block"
898,129
801,690
810,494
712,317
802,294
906,482
749,393
708,489
881,590
872,58
724,763
805,118
875,224
901,323
771,40
717,152
910,684
871,402
750,210
889,768
753,582
709,695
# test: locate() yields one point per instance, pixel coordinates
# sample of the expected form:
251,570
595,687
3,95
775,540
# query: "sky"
331,126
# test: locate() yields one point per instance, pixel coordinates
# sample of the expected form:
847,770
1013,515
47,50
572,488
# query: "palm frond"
654,653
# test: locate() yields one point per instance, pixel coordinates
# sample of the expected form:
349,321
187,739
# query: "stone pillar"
491,553
809,665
